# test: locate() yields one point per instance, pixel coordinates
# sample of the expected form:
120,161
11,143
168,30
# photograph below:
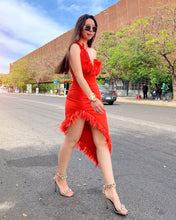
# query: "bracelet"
92,97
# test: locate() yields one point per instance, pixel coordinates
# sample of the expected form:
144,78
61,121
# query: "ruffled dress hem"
71,120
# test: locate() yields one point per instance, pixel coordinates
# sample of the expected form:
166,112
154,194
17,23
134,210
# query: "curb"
148,102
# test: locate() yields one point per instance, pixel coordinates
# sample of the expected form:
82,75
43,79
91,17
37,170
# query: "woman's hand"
98,106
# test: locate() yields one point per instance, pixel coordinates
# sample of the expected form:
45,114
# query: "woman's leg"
105,165
72,137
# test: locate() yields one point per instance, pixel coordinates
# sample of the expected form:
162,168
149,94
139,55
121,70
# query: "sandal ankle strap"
109,186
62,177
105,186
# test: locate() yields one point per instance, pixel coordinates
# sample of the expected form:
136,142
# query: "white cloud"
60,1
96,6
91,6
26,22
16,46
5,60
4,64
24,28
73,7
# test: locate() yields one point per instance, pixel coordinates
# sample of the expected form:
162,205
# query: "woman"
85,125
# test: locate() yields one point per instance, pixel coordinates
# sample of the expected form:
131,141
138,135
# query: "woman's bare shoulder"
74,52
74,48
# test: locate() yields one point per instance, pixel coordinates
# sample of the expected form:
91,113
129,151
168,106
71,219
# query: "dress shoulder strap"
80,45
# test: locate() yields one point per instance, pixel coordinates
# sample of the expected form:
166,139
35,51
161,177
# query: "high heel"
119,211
56,186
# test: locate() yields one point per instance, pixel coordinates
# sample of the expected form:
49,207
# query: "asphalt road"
143,157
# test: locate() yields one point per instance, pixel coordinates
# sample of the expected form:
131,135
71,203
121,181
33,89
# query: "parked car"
107,95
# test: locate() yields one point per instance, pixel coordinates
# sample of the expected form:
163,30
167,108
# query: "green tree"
32,71
18,76
135,60
131,56
107,41
2,76
40,69
162,31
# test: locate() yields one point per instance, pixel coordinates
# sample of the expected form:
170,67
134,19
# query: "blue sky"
26,25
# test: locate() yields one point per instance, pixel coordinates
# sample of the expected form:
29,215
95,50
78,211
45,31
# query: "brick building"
112,19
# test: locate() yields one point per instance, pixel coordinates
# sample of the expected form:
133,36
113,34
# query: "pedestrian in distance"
145,90
85,125
160,92
156,92
164,90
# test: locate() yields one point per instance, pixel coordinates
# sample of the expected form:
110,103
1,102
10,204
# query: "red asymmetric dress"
79,106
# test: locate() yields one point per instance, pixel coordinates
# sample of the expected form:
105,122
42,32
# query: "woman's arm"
75,63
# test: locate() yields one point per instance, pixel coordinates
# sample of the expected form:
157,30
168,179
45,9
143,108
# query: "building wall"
112,19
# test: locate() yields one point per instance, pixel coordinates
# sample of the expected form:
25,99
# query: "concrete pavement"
143,159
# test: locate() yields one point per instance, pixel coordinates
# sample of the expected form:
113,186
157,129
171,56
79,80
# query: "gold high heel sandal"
119,211
56,186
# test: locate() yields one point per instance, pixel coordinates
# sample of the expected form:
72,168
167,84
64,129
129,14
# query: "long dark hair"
63,67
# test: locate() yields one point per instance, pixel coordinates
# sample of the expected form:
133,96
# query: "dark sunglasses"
88,27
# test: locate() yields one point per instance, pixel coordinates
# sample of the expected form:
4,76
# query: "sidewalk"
146,101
